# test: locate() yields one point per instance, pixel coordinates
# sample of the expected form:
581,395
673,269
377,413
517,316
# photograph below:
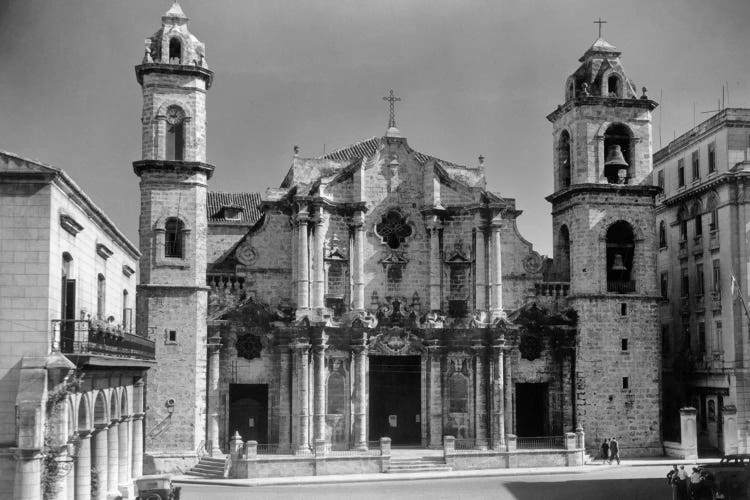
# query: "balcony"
698,245
92,338
716,301
552,288
713,240
619,286
683,251
685,306
700,305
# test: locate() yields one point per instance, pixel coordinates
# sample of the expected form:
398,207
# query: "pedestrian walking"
614,451
684,480
695,483
605,451
673,480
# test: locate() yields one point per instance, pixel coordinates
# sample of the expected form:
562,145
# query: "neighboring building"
702,220
67,295
380,291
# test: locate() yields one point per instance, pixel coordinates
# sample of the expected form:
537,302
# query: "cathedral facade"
384,292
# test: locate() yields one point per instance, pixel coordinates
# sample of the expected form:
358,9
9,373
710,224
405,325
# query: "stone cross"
392,100
600,22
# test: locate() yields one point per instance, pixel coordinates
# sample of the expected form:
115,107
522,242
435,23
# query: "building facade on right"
704,251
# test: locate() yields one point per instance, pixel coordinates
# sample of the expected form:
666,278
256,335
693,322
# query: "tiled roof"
249,202
368,147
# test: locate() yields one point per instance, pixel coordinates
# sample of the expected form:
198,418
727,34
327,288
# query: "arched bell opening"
564,159
620,258
618,154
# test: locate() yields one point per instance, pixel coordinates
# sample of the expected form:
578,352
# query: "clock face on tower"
175,115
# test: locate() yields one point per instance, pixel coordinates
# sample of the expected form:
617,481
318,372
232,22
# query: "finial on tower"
392,99
600,22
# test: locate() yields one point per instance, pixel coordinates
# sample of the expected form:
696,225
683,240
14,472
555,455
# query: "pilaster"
359,349
358,261
496,272
301,407
319,396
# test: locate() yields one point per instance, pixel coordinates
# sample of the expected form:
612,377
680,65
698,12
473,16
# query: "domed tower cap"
174,15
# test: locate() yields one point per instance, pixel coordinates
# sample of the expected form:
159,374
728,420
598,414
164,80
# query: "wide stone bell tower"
172,293
605,246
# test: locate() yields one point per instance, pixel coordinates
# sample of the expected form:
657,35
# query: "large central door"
248,411
395,399
532,410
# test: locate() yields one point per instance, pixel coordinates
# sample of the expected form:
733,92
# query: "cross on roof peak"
392,99
600,22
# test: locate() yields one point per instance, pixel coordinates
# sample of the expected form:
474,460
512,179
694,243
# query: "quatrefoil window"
393,229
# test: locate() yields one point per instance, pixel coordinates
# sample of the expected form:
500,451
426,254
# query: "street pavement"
599,482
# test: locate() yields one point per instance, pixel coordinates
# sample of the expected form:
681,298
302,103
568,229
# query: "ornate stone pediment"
396,343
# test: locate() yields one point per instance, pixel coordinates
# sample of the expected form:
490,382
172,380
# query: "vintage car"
158,487
730,477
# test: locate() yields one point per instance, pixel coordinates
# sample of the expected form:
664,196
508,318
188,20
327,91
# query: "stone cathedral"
383,292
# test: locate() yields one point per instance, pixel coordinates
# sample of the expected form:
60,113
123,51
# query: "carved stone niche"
459,281
396,343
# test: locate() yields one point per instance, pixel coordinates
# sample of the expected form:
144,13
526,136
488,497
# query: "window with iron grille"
173,238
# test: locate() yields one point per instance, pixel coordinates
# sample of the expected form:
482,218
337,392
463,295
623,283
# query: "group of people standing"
696,486
610,451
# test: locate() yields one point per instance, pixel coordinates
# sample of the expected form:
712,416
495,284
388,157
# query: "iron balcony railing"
618,286
72,336
540,443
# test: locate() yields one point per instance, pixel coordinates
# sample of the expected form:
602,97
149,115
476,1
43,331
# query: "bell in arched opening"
615,166
618,264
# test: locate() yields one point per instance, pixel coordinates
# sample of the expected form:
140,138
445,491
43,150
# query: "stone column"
508,392
434,395
83,467
498,394
358,260
28,472
480,266
99,460
480,397
137,464
301,424
70,477
303,261
285,406
113,461
435,265
359,351
212,396
318,298
319,399
496,271
688,433
123,461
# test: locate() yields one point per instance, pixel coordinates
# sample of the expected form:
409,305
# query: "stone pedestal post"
496,272
123,462
480,266
318,299
729,436
303,263
83,467
100,457
508,391
301,426
212,396
580,438
235,446
137,463
113,458
511,442
358,260
688,433
359,350
435,265
498,394
319,386
28,472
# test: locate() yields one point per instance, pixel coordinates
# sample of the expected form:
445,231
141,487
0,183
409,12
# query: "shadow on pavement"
605,489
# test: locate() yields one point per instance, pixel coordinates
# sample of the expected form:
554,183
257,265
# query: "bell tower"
605,245
172,294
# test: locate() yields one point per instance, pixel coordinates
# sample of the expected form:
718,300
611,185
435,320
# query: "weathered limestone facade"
71,363
605,246
383,292
701,219
172,292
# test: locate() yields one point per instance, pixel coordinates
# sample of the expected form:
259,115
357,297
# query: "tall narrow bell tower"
172,293
605,245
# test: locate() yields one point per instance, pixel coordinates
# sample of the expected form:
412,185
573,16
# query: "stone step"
204,475
208,469
213,460
404,470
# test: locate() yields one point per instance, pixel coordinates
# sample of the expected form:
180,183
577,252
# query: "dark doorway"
68,326
531,410
395,399
248,411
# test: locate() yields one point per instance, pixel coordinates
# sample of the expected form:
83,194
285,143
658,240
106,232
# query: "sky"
476,78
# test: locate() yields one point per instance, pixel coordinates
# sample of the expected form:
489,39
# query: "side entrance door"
248,411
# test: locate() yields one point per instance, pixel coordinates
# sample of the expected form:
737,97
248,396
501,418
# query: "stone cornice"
601,101
593,188
701,188
175,69
174,165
